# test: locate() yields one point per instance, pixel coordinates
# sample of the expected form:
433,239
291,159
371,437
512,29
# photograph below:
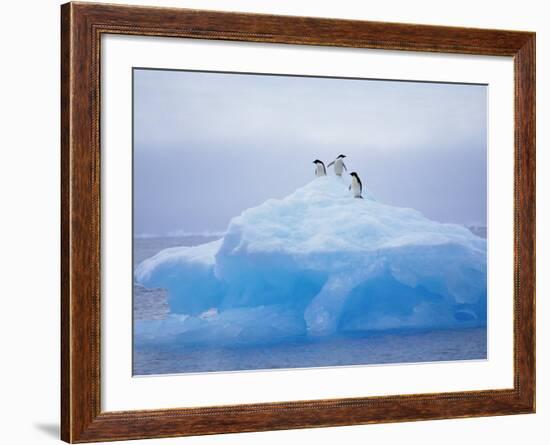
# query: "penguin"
339,165
356,187
320,169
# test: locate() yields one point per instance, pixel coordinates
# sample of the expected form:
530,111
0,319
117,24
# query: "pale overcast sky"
209,145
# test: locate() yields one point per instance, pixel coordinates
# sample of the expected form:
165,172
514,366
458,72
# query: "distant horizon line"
220,233
181,233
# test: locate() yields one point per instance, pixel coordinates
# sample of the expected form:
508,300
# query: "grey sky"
209,145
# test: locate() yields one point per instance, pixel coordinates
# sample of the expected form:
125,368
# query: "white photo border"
121,391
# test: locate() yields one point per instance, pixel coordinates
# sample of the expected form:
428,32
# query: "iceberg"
317,263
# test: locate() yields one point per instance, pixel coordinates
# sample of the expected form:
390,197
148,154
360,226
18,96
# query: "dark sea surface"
394,347
429,346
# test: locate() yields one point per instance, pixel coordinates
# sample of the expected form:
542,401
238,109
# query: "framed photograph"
274,222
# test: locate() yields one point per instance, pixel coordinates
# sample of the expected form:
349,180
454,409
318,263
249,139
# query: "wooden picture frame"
82,25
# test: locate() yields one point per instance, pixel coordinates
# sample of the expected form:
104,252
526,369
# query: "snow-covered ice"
315,263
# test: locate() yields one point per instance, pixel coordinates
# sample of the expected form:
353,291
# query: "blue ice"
318,263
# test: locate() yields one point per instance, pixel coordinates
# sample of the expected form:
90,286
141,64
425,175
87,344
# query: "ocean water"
366,349
431,346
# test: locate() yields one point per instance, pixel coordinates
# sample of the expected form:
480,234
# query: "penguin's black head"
317,161
341,156
354,174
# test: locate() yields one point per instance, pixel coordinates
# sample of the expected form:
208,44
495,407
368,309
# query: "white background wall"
29,231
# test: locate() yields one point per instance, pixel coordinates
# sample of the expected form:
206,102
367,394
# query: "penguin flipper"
345,168
330,164
349,188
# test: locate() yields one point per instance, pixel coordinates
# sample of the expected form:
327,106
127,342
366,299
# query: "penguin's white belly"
338,167
319,170
355,188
